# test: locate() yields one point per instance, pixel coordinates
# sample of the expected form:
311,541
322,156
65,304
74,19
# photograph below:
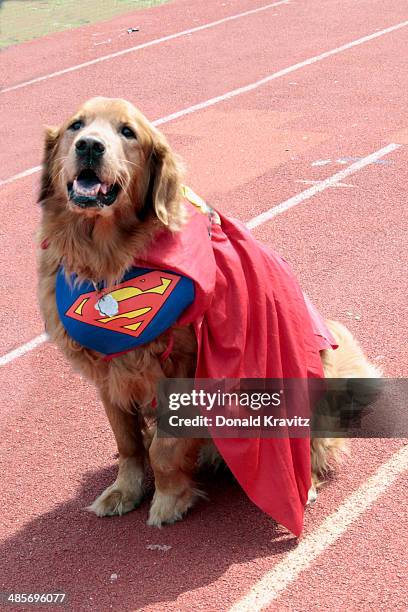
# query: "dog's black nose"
89,147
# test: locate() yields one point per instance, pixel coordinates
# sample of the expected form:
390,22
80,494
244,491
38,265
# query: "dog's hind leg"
173,461
126,492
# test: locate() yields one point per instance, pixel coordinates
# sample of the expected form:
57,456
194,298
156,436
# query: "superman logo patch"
144,305
138,301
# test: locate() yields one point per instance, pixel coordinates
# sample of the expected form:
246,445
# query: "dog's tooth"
104,187
83,190
87,191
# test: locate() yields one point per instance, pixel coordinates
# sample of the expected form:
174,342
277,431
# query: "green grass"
22,20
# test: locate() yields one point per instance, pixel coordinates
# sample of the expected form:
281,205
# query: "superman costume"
251,320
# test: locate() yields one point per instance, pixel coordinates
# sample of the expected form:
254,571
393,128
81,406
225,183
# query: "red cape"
252,321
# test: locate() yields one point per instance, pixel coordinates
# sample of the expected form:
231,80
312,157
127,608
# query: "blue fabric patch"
136,311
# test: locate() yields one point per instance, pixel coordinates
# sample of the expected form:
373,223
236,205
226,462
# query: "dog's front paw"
116,500
125,493
168,508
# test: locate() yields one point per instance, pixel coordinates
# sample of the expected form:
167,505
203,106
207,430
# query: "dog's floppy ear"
165,176
52,135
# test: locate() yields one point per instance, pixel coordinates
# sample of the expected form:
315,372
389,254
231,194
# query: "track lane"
299,133
65,418
208,58
50,477
65,49
143,45
62,50
375,562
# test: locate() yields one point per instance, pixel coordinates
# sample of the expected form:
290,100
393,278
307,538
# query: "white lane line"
20,175
23,349
321,186
276,75
254,222
150,43
241,90
271,585
309,182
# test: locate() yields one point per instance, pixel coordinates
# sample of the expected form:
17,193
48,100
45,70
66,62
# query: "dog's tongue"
89,185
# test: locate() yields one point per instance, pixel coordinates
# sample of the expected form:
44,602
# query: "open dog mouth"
88,191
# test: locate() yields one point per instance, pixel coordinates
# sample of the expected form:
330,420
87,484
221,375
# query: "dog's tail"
362,379
356,382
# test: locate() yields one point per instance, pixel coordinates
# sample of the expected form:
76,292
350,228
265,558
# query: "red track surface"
346,244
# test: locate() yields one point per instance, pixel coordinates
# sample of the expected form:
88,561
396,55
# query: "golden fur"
100,244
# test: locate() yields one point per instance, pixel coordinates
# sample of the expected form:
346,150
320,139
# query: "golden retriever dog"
110,183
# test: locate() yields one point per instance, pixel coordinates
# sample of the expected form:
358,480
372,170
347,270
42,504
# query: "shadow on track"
77,552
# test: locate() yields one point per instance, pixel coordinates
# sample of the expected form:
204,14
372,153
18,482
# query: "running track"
316,115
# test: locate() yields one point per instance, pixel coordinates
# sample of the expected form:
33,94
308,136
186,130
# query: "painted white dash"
23,349
20,175
321,186
310,182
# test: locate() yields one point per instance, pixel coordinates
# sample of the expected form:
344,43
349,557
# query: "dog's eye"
127,132
76,125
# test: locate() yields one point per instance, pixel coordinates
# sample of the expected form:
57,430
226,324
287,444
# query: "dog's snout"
89,147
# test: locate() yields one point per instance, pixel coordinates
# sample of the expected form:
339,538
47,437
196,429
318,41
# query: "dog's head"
107,157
